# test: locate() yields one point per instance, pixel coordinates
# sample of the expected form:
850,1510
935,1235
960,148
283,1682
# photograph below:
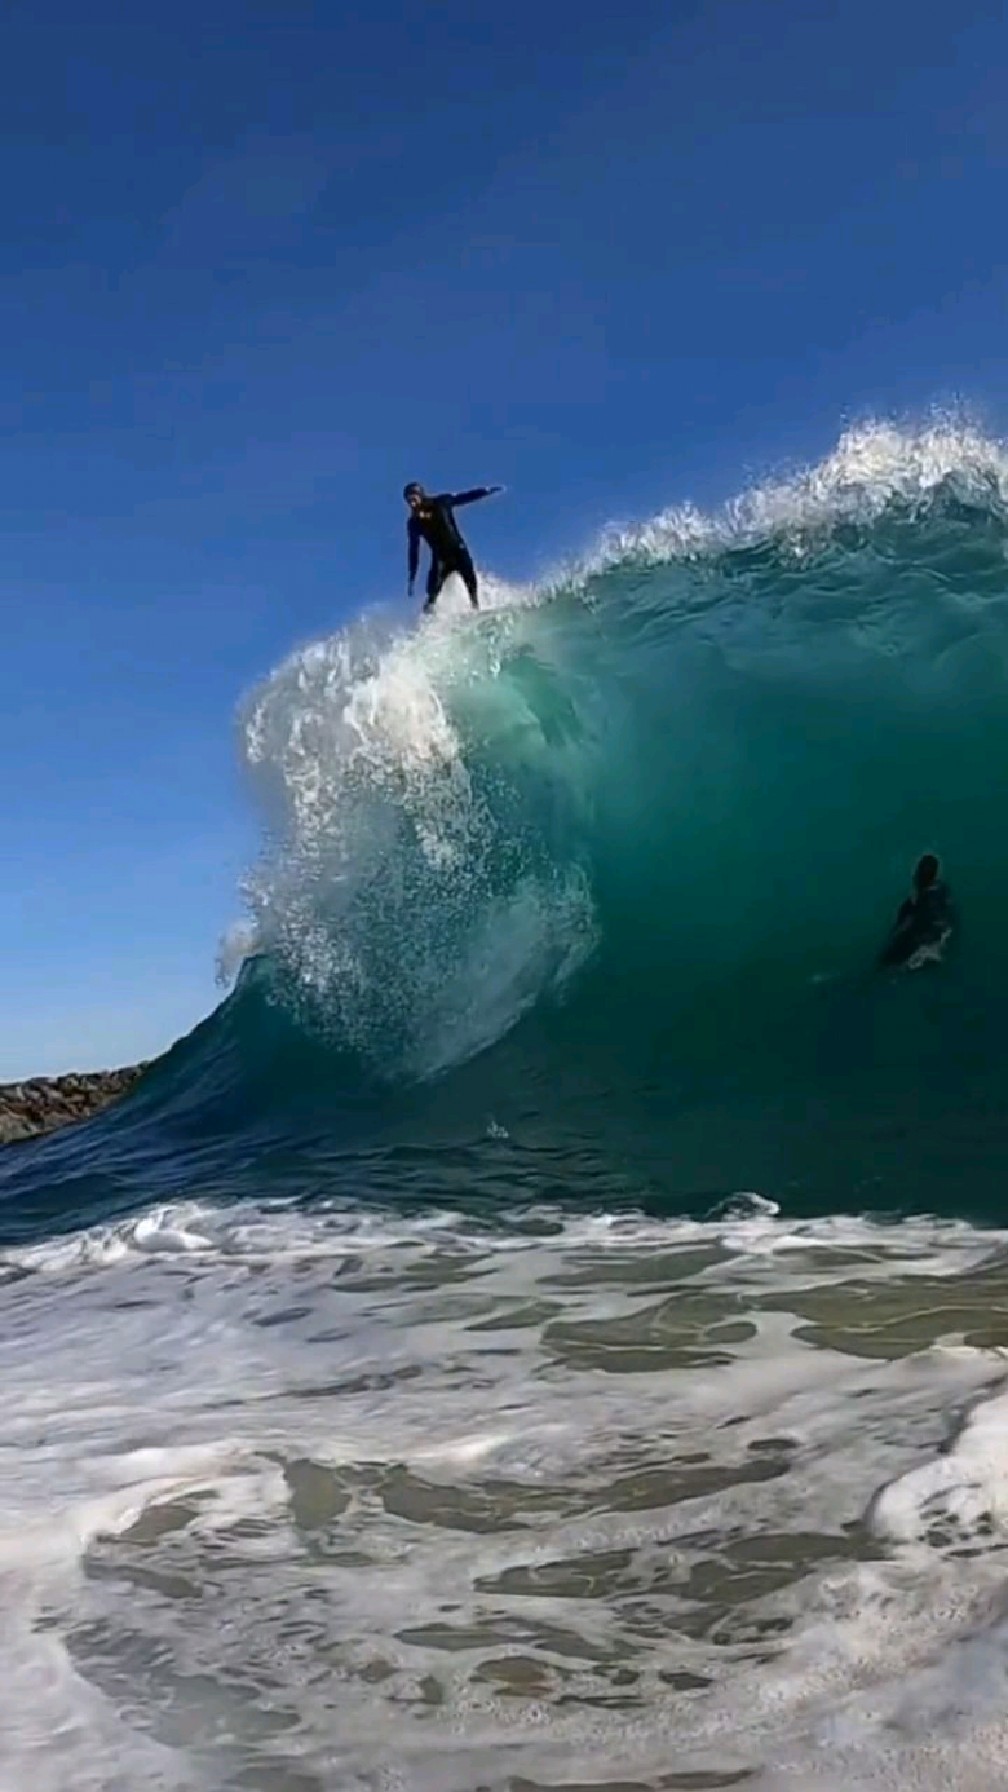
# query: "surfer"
432,519
925,920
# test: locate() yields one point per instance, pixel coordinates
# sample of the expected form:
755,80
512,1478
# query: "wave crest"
874,466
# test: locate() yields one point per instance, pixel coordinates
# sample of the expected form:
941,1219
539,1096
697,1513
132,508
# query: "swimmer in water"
924,922
432,519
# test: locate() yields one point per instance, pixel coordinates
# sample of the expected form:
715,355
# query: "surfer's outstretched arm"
413,534
472,497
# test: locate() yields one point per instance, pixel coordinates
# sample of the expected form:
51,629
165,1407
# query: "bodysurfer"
924,922
432,519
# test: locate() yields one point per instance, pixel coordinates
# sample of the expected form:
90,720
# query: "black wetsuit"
435,524
923,924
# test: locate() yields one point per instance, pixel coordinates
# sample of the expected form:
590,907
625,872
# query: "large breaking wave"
604,870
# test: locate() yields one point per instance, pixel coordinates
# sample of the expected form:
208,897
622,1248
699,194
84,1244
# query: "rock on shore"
46,1102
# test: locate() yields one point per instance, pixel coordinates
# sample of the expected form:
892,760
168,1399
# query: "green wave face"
603,873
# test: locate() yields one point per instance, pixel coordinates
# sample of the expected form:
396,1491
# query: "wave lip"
874,466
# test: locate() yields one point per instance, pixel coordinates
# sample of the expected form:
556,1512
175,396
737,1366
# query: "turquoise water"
585,894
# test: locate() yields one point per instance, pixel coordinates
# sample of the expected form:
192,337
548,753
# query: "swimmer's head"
414,494
926,871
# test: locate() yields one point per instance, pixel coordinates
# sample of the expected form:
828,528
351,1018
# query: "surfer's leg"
442,570
435,579
467,573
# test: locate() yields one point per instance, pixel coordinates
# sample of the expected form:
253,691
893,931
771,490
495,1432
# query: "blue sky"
261,263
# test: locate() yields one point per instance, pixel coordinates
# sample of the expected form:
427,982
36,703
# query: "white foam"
964,1490
173,1228
317,1462
750,1232
873,465
386,885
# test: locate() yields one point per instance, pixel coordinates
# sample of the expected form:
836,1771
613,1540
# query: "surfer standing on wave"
924,922
432,519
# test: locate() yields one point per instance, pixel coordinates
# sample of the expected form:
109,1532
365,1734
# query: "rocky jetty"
46,1102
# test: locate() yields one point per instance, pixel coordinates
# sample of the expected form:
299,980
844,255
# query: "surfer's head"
925,871
414,494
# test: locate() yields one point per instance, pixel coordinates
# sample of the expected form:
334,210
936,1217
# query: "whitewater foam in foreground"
315,1499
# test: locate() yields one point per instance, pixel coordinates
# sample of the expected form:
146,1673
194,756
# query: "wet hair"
413,490
926,870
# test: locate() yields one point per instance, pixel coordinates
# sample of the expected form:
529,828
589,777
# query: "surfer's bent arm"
413,532
472,497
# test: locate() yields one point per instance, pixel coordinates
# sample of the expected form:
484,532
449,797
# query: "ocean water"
547,1328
